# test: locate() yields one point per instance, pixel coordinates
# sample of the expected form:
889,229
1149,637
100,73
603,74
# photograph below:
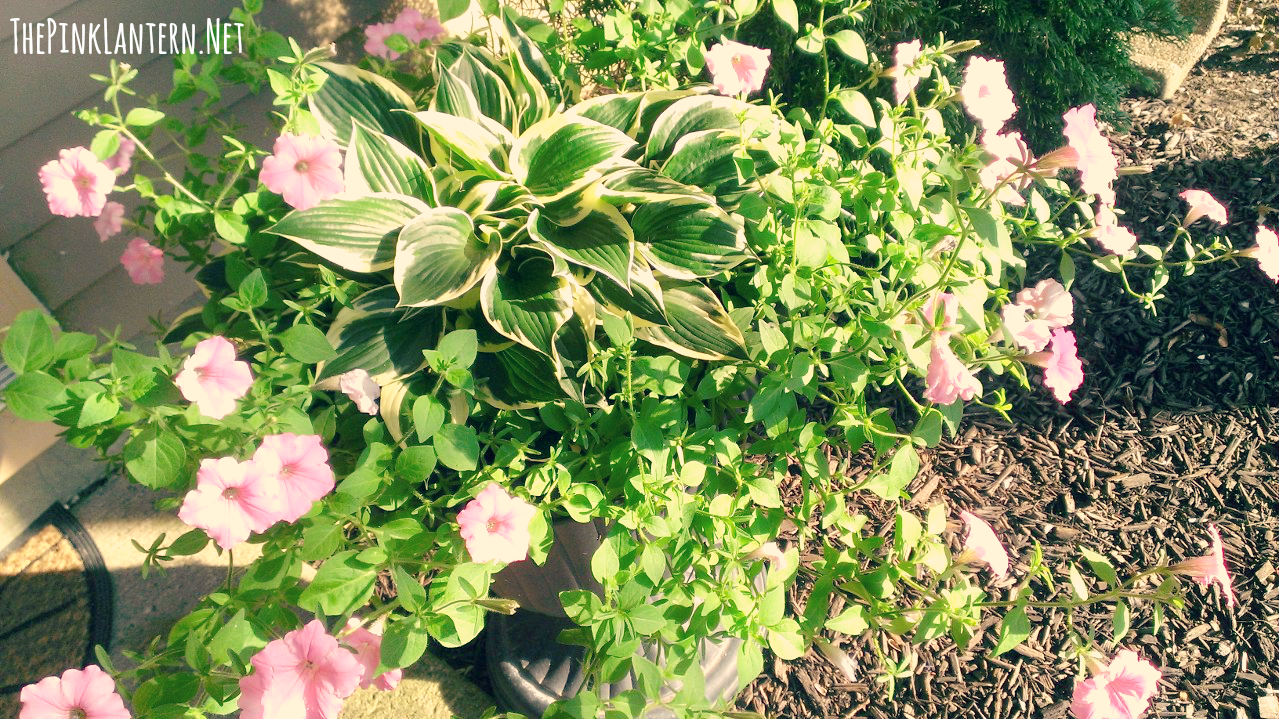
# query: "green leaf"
105,144
850,43
699,326
415,464
230,227
787,13
306,343
857,106
98,408
618,110
460,346
811,43
379,163
155,458
699,113
527,303
852,621
450,9
786,641
1101,567
375,335
29,344
553,155
687,239
342,585
439,257
1013,630
356,234
409,591
32,395
518,377
901,470
351,95
537,87
252,290
428,417
1120,623
457,447
464,144
405,640
143,117
600,241
453,97
192,542
490,89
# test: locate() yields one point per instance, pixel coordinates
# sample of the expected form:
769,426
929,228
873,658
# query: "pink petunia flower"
412,25
1121,690
232,500
1063,371
375,40
986,94
1112,236
905,78
305,170
737,68
948,379
983,545
305,675
1049,301
495,526
1009,155
1202,204
213,379
110,221
84,694
76,183
360,387
1266,252
1031,334
367,645
301,464
949,306
1098,166
144,262
122,160
1209,568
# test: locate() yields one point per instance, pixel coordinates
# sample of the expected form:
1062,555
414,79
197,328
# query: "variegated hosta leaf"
517,378
358,234
556,153
694,114
654,104
527,303
464,144
351,94
538,93
453,97
490,89
698,325
631,183
572,350
601,241
705,160
377,336
617,111
686,238
380,163
439,257
644,299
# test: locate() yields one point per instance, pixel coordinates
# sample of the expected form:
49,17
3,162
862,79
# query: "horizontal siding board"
29,11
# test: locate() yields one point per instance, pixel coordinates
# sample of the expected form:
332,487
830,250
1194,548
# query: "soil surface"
1173,429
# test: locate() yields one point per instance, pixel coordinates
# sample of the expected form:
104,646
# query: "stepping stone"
1169,61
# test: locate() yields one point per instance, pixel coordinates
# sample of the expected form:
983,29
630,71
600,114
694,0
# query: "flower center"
492,525
77,713
83,182
231,493
737,59
301,166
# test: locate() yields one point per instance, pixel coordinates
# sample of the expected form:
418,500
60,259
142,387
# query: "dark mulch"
1172,430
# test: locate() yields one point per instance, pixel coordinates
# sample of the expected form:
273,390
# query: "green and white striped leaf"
527,303
556,153
656,102
698,325
617,111
380,163
705,160
376,335
601,241
631,183
439,257
517,378
687,239
358,234
491,91
464,144
643,299
538,92
695,114
350,94
453,97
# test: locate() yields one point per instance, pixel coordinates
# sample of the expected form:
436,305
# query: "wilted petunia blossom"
76,183
948,379
1063,370
905,78
1098,166
360,387
737,68
1009,155
83,694
986,94
1266,252
1121,690
1030,334
110,221
1209,568
1202,204
143,261
122,160
495,526
304,170
367,645
1049,301
232,500
213,379
983,545
301,464
1112,236
305,675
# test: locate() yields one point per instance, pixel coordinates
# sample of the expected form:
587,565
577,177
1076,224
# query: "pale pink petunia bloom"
232,500
1121,690
1266,252
375,40
144,262
1063,370
495,526
771,553
1009,155
1031,334
367,645
1202,204
983,545
737,68
305,170
122,160
360,387
1210,567
110,221
413,26
301,464
905,78
1049,301
1112,236
986,94
213,379
949,306
948,379
76,183
837,657
81,694
305,675
1098,166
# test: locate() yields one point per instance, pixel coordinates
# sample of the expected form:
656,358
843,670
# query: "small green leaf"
29,344
143,117
852,621
428,417
450,9
1012,631
787,13
1101,567
1120,623
252,290
33,394
155,458
811,43
405,640
457,447
460,346
342,585
850,43
306,343
857,106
